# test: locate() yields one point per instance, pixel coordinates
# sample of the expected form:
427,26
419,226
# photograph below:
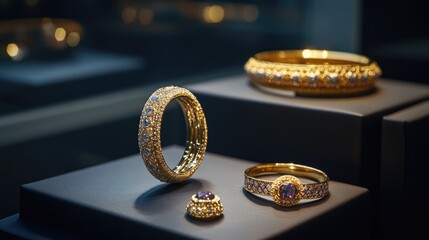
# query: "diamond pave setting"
263,187
205,205
319,79
149,133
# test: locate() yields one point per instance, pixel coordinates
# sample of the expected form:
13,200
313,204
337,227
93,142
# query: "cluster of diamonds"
257,186
149,133
315,190
313,76
263,187
205,205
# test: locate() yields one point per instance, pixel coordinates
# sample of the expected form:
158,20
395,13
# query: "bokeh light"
73,39
60,34
213,14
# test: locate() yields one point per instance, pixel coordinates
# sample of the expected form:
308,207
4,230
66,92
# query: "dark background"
175,46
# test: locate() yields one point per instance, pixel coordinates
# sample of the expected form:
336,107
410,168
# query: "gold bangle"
313,72
286,190
149,135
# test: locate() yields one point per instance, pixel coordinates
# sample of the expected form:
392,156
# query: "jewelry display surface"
119,200
390,94
14,227
327,133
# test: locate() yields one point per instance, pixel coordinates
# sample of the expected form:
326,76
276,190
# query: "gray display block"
121,200
404,166
340,135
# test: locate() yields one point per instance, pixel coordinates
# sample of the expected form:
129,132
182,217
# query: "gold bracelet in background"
313,72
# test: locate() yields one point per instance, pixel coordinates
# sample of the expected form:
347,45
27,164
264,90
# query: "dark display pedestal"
120,199
14,227
404,165
340,135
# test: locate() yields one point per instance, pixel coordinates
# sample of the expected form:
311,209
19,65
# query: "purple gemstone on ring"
202,195
287,191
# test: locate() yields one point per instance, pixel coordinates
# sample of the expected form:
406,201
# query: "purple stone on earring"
202,195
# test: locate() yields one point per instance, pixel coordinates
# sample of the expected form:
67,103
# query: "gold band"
286,190
149,135
313,72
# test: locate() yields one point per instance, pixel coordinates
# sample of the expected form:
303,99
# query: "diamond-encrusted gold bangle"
313,72
149,135
286,190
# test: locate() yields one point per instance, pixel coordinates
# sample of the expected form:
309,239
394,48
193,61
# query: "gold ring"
286,190
204,205
149,135
313,72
